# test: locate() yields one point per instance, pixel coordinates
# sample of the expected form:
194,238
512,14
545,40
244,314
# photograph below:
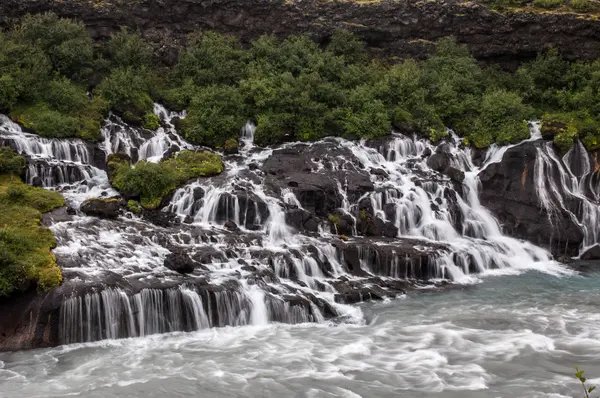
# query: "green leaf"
592,388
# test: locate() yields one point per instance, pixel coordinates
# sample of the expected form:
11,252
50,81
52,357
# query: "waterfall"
560,181
403,224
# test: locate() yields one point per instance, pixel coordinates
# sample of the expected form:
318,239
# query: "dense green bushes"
294,90
152,181
24,244
291,89
45,65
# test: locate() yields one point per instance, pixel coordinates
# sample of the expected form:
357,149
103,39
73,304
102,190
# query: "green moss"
10,162
153,181
25,245
151,121
134,207
548,4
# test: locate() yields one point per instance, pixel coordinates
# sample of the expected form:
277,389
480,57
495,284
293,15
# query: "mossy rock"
25,246
550,128
102,207
152,182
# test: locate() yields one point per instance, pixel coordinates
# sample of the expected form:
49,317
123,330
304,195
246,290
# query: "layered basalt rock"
394,28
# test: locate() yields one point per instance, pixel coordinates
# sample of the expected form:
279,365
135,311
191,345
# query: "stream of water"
508,336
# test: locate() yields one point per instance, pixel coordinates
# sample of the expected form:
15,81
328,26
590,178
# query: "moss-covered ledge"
25,245
151,182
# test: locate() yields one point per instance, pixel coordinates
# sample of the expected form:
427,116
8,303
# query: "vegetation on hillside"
576,6
150,182
292,89
24,244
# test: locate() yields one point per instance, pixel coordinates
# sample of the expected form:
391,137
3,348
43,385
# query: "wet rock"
37,182
455,174
103,208
160,218
439,161
509,191
593,253
208,255
179,261
231,226
173,149
302,169
198,193
301,219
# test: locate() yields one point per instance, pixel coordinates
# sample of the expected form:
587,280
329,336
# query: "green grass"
24,244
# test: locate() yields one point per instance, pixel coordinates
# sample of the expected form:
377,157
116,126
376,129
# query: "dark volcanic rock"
104,208
297,168
593,253
509,191
455,174
179,261
403,29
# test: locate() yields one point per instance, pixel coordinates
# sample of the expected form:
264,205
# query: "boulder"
179,261
593,253
231,226
103,208
439,161
455,174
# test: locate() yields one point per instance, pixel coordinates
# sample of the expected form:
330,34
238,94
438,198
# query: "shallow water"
508,336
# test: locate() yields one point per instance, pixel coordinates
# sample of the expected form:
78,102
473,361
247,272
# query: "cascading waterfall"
570,179
264,268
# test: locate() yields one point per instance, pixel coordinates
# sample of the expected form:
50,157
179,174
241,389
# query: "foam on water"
266,271
499,339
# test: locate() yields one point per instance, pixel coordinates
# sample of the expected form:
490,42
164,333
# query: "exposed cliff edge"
396,28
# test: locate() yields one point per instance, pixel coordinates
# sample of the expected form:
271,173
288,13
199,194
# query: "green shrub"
548,4
211,58
502,119
25,245
134,207
127,92
151,121
152,181
216,115
9,92
10,162
128,50
564,140
584,5
47,122
66,42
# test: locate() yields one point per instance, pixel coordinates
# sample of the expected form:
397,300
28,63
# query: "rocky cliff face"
395,28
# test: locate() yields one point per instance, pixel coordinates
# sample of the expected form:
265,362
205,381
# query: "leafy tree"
128,50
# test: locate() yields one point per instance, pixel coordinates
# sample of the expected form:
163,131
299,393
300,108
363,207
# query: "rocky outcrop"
312,173
593,253
104,208
395,28
509,191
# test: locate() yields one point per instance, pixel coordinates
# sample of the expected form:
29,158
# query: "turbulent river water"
277,302
507,336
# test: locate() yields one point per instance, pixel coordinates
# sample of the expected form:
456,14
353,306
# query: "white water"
509,335
297,273
514,336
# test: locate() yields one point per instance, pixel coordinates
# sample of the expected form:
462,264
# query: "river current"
265,315
505,336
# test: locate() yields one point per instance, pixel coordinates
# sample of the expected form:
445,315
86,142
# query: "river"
505,336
